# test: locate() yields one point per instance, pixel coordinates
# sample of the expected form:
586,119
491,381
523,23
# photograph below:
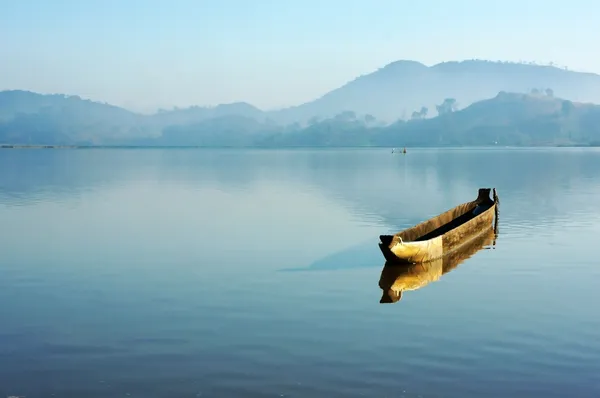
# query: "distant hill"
221,131
390,93
27,117
514,119
32,118
403,87
197,114
507,119
452,103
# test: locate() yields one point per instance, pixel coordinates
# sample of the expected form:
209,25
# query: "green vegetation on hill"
537,118
508,119
30,118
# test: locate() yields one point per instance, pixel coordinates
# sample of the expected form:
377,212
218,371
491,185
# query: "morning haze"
466,103
265,74
145,55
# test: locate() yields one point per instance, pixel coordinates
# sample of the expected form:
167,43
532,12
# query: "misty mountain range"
400,88
403,103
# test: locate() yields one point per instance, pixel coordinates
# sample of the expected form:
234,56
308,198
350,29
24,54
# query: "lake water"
250,273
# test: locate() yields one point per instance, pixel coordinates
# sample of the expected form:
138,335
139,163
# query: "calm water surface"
231,273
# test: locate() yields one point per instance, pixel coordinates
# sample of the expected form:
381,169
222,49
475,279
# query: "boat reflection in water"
397,278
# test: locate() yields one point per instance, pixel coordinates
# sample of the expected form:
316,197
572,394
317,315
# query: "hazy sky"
144,54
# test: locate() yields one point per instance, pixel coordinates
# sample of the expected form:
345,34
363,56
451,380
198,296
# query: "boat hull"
396,279
437,236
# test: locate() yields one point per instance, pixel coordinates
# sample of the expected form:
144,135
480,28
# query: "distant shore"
16,146
20,146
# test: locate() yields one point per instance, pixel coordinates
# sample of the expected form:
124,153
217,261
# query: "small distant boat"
439,235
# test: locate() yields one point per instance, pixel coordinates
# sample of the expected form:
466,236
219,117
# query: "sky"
149,54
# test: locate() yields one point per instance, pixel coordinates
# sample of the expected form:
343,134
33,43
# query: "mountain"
221,131
507,119
511,119
57,119
27,117
418,104
196,114
400,88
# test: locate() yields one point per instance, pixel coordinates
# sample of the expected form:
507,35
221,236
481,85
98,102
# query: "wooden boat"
430,239
397,278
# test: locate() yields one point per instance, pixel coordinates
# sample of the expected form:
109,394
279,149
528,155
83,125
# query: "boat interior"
445,222
456,222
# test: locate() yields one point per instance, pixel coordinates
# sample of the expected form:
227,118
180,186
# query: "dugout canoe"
396,279
439,235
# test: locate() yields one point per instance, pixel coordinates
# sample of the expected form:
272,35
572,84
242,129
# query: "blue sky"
151,53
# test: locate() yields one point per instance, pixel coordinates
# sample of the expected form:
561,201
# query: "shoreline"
19,146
